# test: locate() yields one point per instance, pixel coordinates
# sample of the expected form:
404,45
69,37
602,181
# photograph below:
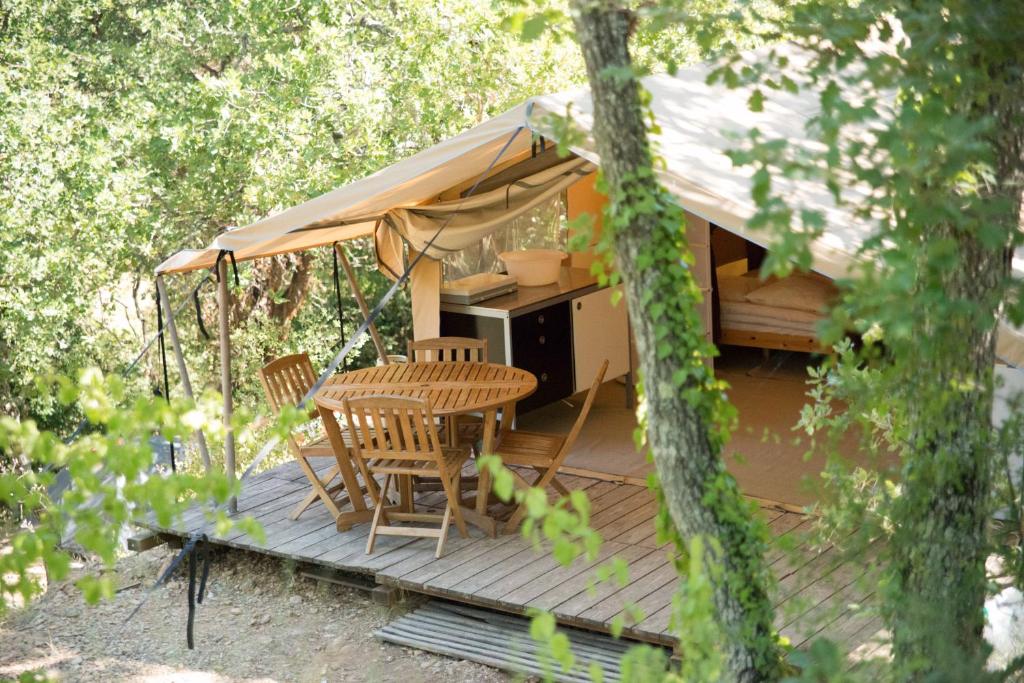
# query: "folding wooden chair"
285,381
542,452
448,349
397,437
468,429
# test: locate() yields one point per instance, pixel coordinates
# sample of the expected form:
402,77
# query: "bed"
779,313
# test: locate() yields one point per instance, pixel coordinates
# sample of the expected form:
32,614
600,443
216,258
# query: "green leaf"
756,100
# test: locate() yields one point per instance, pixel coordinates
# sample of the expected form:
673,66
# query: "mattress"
767,324
789,306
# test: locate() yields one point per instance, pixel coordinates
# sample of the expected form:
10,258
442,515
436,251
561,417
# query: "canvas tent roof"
699,124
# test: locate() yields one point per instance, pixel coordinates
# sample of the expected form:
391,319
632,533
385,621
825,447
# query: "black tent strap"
533,145
234,265
200,553
199,316
337,299
196,549
234,268
163,366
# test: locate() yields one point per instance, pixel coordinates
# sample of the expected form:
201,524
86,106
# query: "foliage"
919,135
113,482
129,130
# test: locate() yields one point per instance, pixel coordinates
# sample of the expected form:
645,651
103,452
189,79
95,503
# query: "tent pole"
350,275
186,382
225,376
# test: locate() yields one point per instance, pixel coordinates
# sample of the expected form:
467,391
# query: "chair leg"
330,476
517,516
319,490
377,514
444,530
405,495
555,484
453,490
512,525
303,504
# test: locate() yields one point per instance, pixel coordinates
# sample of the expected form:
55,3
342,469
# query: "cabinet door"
542,344
599,331
478,327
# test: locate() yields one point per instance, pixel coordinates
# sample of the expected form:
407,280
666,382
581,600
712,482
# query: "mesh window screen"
543,227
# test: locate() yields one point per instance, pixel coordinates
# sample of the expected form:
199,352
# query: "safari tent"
477,182
452,196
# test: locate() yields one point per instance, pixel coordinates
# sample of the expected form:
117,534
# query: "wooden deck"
814,597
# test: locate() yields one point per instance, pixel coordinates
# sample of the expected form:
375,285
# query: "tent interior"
763,361
764,354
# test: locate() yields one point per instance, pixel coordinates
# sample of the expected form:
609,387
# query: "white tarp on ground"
699,125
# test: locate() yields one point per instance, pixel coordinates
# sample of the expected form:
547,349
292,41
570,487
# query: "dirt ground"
260,621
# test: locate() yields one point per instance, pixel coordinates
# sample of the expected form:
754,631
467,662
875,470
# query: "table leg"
508,416
483,491
359,513
478,515
405,492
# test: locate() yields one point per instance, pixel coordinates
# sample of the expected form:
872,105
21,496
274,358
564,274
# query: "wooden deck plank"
453,565
636,591
496,568
826,600
565,584
525,566
786,528
283,529
269,512
802,627
638,568
263,491
346,544
798,573
301,546
656,606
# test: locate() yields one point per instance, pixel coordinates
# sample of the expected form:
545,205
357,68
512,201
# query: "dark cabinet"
561,333
542,344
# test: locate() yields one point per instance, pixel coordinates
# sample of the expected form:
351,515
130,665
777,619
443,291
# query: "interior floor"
766,454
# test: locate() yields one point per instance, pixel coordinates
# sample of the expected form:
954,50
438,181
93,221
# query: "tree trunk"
649,243
940,548
936,609
277,287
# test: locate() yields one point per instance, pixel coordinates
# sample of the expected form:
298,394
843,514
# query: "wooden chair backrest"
448,349
286,380
585,410
387,427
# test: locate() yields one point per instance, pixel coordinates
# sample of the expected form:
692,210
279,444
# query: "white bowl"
533,267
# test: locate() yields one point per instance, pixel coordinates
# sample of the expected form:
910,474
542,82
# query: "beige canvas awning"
353,210
699,123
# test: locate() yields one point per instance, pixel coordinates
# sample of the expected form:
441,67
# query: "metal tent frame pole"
350,275
186,382
223,299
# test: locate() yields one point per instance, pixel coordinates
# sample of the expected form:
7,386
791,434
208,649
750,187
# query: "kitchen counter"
561,333
572,282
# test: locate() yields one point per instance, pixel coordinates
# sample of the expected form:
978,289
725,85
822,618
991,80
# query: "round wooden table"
452,388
